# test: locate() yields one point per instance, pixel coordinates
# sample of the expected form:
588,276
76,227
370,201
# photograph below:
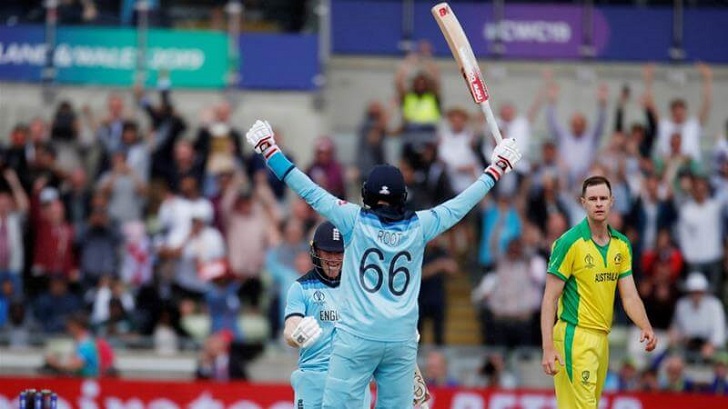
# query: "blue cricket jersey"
382,269
310,295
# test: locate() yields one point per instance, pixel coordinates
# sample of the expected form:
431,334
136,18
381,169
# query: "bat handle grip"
492,123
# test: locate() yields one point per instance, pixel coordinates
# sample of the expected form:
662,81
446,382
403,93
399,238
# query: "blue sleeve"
339,212
295,302
440,218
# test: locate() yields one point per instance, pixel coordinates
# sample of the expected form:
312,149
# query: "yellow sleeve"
626,267
561,262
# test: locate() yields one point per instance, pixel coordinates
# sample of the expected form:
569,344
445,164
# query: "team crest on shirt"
319,297
618,259
585,377
589,260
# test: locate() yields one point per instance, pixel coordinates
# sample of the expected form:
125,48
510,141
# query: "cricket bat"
463,53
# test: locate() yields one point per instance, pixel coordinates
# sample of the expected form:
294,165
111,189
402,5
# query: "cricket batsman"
381,273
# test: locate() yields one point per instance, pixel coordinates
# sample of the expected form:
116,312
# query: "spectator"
250,216
119,327
85,360
652,211
280,263
65,130
15,154
185,163
500,224
77,199
649,381
700,233
44,171
420,101
510,296
204,244
167,128
436,265
664,253
53,307
136,149
20,327
136,255
456,150
98,247
437,373
551,166
326,170
53,252
642,134
372,132
6,296
515,125
628,378
221,298
579,143
109,289
674,379
547,199
175,213
13,212
215,362
218,141
125,188
719,385
494,373
699,324
109,131
689,128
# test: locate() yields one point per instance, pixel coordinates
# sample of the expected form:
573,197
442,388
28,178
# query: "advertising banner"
279,61
108,56
533,31
121,394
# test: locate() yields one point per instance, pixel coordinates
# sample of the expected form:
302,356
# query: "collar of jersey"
585,231
389,214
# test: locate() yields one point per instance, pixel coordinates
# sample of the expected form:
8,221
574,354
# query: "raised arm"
555,128
339,212
540,97
22,204
598,131
707,102
440,218
648,75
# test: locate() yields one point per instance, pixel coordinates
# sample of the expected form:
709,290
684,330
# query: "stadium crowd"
151,227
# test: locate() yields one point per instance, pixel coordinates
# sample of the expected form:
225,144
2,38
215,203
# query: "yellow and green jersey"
591,273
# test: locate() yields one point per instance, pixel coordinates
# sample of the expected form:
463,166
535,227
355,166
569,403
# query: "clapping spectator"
14,207
125,188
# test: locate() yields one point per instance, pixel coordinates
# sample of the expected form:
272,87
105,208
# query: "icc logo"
589,260
319,297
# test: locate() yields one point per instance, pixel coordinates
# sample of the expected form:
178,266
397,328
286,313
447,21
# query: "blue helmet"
385,183
327,238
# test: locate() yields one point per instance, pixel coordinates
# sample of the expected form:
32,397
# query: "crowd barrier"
126,394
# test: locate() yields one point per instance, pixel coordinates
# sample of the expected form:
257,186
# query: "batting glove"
504,157
260,136
307,332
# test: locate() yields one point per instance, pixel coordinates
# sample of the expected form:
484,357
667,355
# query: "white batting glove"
504,158
260,136
307,332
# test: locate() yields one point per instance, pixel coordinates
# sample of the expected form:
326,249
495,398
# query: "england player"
311,312
381,273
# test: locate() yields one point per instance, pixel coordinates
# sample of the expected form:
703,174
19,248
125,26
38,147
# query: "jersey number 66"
393,271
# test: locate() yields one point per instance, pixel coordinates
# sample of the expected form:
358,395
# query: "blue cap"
384,183
328,238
